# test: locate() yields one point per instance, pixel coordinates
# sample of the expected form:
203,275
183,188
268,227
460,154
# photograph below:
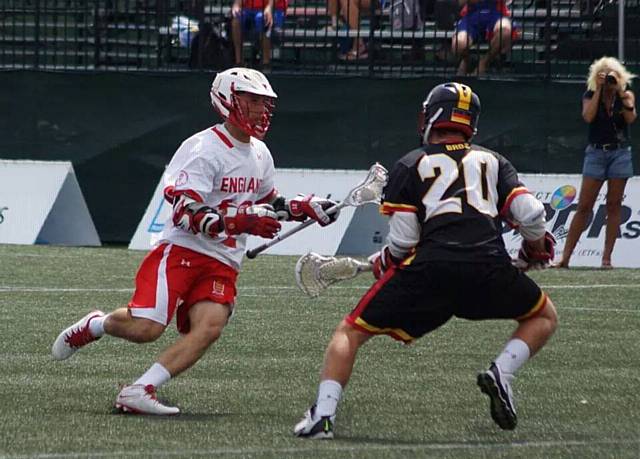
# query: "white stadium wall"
362,231
41,203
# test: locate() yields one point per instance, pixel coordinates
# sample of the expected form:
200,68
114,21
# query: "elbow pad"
404,233
195,217
529,214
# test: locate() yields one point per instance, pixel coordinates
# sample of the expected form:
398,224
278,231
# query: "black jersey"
457,192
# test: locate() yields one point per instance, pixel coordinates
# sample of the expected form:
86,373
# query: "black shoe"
492,383
314,427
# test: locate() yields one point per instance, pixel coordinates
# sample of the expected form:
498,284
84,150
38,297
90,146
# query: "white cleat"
139,399
314,427
74,337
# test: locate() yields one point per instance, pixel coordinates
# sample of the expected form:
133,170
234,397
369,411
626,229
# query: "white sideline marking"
337,448
31,289
17,289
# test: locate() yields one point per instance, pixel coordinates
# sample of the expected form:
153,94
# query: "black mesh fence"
548,39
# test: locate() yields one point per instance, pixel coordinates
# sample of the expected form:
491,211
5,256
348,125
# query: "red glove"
313,207
258,219
532,258
382,261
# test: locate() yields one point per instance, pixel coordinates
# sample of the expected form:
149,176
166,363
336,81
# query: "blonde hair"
608,64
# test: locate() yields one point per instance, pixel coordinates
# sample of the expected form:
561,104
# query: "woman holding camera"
608,106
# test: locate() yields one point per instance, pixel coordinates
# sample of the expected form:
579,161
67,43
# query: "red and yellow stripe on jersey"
389,208
507,202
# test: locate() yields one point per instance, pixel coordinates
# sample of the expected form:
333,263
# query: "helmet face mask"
243,113
451,106
231,96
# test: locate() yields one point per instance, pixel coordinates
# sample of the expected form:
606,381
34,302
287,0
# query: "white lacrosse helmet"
228,84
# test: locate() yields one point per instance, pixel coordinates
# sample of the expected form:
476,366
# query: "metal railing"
550,39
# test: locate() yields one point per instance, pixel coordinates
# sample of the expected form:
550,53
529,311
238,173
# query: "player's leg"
615,193
148,313
588,194
510,294
499,43
391,307
207,321
530,336
121,324
339,358
206,296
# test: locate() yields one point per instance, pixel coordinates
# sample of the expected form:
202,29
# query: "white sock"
329,394
513,356
157,375
96,326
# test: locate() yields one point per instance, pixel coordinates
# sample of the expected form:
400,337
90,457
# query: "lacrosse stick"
314,272
367,191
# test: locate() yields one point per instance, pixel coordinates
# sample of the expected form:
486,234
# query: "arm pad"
195,217
529,215
404,233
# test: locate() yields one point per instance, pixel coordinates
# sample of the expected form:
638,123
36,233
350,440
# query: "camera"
611,80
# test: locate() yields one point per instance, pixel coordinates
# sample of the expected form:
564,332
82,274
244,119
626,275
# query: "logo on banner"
563,197
157,222
2,209
561,204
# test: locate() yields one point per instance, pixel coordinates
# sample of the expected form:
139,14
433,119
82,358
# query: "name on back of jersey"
456,146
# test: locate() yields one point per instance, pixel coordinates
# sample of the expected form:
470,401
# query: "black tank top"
606,129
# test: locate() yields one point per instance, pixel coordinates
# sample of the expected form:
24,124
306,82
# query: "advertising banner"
361,231
41,203
357,231
560,193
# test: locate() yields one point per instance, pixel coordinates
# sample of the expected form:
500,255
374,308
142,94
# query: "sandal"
606,264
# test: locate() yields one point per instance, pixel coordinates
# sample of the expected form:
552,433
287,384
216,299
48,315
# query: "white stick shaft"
281,237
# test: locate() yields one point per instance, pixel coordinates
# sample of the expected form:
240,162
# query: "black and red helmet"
452,106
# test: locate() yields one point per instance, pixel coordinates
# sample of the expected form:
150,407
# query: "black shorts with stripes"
409,302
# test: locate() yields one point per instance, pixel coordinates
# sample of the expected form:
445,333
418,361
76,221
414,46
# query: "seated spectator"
259,18
350,12
481,20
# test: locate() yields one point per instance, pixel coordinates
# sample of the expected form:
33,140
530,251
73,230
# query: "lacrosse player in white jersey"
220,183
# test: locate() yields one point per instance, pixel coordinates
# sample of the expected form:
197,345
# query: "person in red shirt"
256,17
482,20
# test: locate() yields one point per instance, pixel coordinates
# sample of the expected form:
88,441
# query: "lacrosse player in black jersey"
445,257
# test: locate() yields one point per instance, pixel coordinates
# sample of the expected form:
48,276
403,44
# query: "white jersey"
219,168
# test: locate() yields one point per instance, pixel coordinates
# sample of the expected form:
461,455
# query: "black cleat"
492,383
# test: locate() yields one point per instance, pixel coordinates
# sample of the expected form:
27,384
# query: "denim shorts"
607,164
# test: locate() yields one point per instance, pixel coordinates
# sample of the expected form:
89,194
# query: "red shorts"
174,278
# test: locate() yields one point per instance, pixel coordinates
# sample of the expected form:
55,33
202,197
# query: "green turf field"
578,398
